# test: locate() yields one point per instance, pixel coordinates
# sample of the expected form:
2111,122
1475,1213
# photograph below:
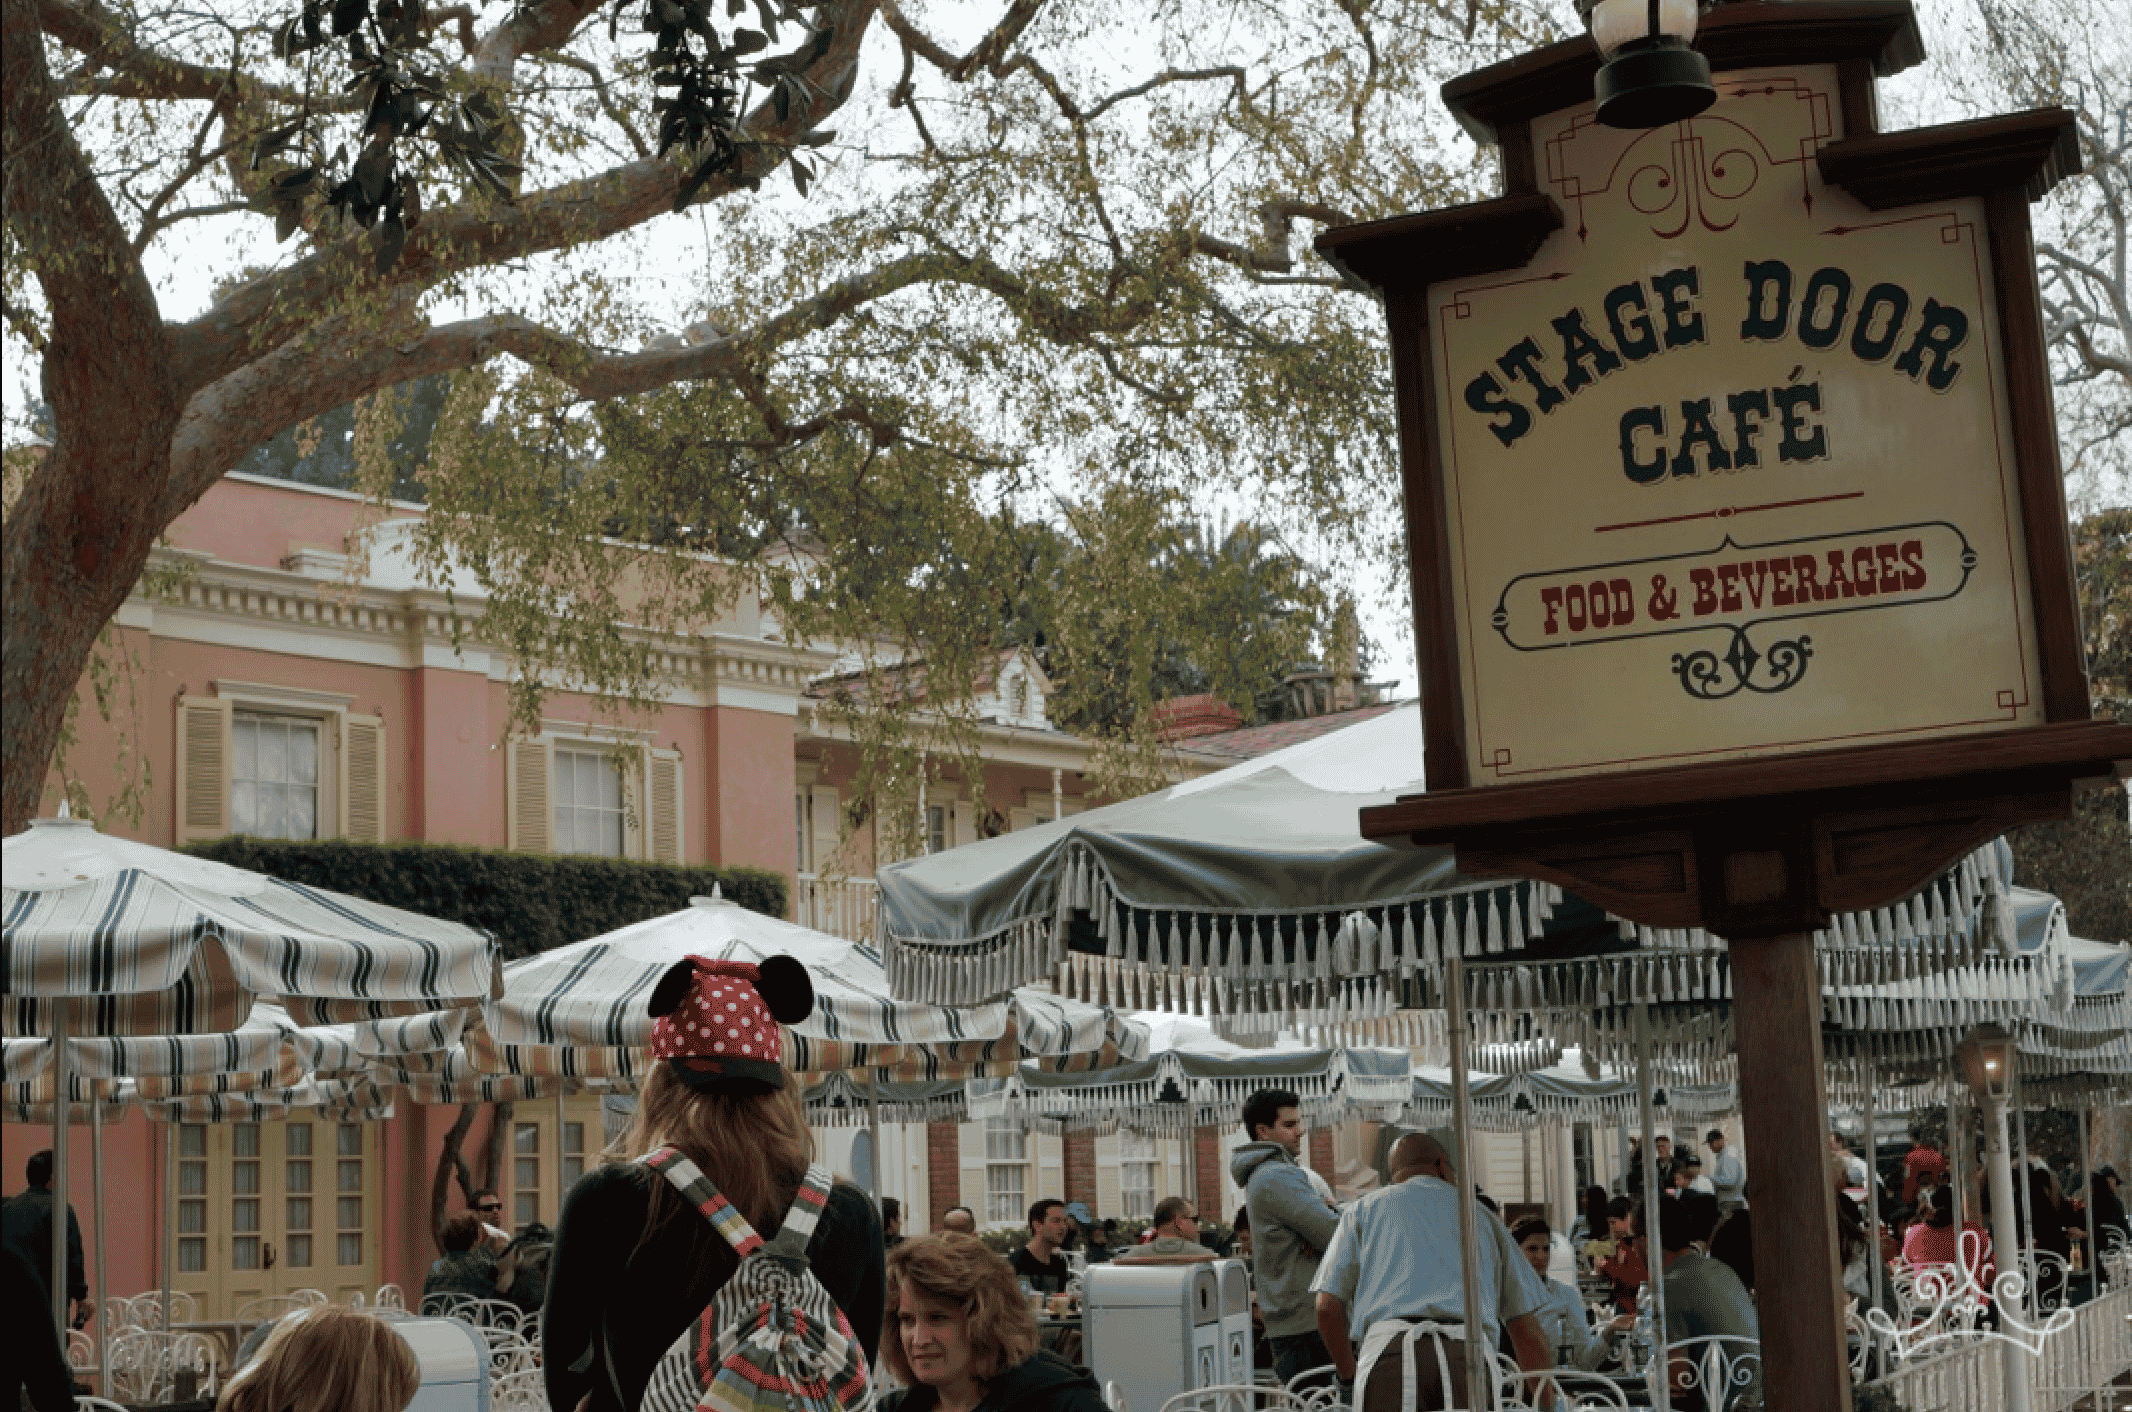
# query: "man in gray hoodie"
1291,1225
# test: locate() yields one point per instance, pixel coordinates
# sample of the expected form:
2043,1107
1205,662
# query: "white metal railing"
2086,1358
840,906
2074,1363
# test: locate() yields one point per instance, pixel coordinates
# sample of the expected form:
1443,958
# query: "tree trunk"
450,1163
496,1178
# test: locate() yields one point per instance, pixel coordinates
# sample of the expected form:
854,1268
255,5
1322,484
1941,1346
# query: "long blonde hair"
755,1147
326,1359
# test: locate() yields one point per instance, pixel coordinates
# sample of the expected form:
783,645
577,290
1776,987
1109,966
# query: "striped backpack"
772,1337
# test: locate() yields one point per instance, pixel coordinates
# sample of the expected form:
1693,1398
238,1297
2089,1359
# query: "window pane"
348,1212
303,755
244,1253
526,1137
351,1176
300,816
192,1254
610,844
244,1178
525,1207
573,1168
300,1252
299,1213
298,1176
244,1140
192,1216
192,1140
573,1137
350,1251
192,1178
244,736
244,808
244,1214
296,1140
273,753
527,1172
351,1140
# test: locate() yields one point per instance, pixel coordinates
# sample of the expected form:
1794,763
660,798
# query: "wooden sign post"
1741,579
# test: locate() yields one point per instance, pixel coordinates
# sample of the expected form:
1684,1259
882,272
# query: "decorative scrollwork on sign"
1707,676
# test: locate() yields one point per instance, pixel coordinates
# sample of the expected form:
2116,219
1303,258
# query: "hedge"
531,902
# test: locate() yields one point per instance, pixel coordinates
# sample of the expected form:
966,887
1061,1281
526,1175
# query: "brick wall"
943,1170
1081,1169
1321,1152
1206,1173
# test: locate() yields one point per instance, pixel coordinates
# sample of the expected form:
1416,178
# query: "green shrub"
531,902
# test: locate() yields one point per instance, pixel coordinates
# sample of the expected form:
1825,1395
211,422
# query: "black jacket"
26,1224
1044,1383
604,1291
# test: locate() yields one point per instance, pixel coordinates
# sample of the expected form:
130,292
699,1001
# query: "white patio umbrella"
578,1011
108,937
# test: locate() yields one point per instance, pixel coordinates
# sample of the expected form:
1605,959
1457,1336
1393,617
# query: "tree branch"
607,103
137,72
266,312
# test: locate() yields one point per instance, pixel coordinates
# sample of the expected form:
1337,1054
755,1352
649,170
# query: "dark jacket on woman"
1043,1383
616,1299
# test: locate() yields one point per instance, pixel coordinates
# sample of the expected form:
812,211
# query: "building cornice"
302,615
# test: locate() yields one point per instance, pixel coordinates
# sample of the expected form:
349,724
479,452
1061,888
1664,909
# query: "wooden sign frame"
1770,846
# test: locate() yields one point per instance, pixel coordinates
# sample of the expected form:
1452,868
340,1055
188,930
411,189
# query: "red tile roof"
1254,741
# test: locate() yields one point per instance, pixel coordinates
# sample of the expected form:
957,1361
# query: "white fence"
2075,1363
840,906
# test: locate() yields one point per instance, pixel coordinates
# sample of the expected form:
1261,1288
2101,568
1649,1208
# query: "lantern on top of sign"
1651,76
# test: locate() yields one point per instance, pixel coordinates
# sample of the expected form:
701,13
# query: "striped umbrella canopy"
578,1011
841,1101
145,941
1195,1078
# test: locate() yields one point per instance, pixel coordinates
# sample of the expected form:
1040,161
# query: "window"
1006,1171
936,828
525,1174
274,776
278,762
573,1155
1582,1155
1137,1167
348,1200
607,798
296,1186
192,1198
588,803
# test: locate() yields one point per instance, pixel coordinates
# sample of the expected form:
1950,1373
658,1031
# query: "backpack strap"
703,1194
808,1203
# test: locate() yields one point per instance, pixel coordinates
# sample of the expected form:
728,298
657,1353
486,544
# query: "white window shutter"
826,827
970,1153
663,799
962,824
203,768
528,786
1110,1192
363,778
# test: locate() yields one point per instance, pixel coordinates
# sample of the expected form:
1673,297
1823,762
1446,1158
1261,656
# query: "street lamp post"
1987,1059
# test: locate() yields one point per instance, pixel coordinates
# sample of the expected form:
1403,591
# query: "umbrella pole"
1462,1130
1957,1171
873,1131
59,1166
170,1212
2087,1207
103,1284
2025,1209
1654,1255
1874,1262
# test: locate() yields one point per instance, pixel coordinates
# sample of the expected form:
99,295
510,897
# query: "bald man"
959,1218
1394,1262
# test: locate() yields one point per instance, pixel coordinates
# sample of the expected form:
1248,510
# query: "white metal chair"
1726,1371
390,1297
1239,1397
145,1364
267,1308
521,1391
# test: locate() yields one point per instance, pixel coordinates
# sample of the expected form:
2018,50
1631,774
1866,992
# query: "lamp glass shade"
1616,23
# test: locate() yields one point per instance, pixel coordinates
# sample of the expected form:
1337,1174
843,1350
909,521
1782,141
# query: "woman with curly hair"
961,1338
327,1359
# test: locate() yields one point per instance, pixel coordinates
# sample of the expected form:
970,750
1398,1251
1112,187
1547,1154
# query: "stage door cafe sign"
1728,467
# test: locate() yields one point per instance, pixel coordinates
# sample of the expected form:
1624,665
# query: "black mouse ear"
672,989
786,988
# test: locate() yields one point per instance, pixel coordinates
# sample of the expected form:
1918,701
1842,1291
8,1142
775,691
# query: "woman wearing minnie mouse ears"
636,1262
